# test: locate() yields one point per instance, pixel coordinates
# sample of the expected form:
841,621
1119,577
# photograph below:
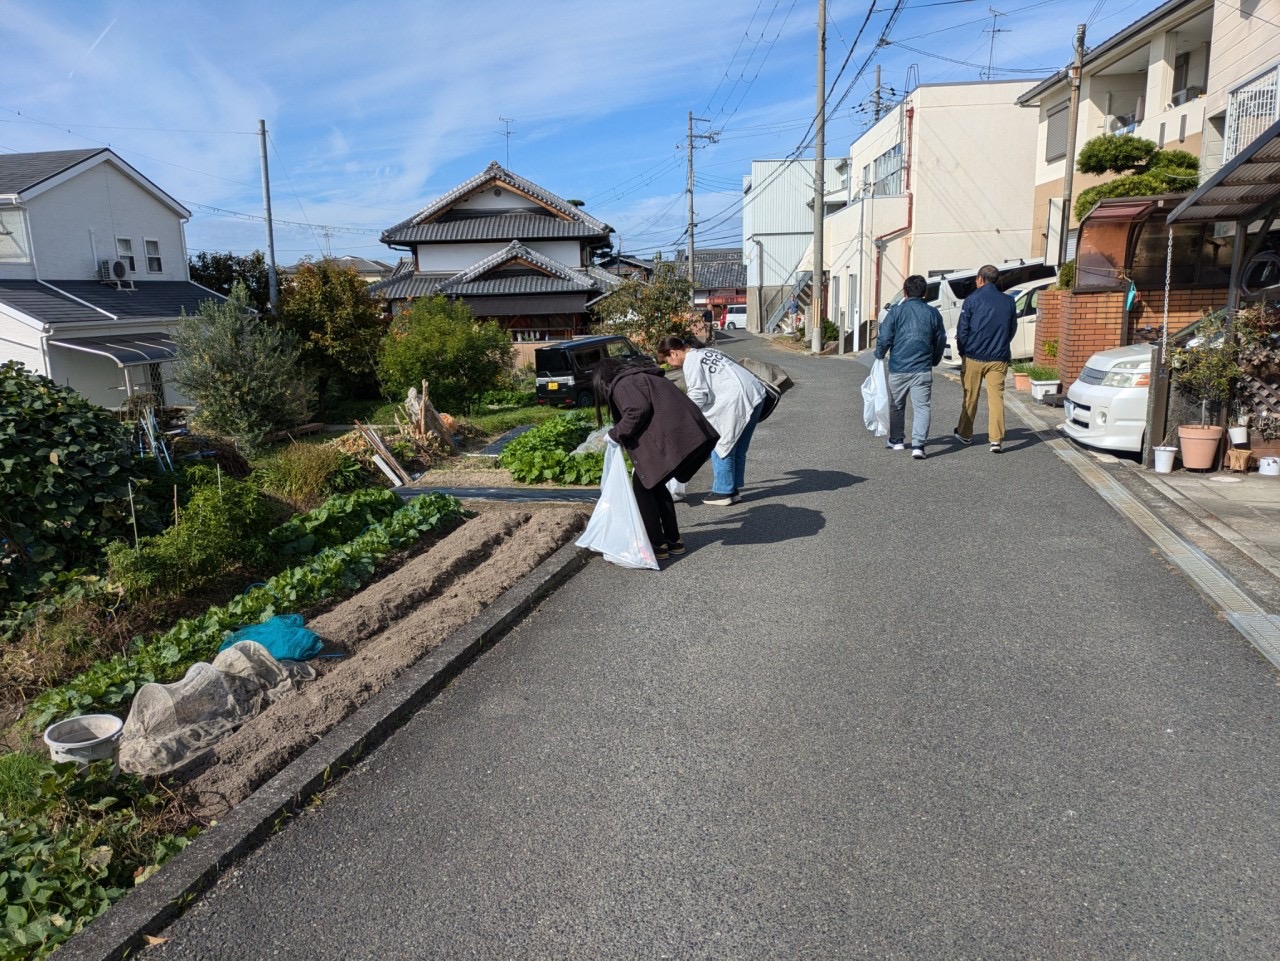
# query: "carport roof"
1245,189
125,350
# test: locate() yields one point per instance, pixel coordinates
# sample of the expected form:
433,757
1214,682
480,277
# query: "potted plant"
1044,381
1021,379
1205,370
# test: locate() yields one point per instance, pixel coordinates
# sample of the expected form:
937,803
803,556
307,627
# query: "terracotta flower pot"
1021,380
1199,445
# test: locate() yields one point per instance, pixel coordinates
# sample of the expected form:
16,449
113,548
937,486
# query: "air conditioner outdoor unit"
112,271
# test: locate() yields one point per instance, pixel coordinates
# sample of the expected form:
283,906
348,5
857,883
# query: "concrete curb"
147,908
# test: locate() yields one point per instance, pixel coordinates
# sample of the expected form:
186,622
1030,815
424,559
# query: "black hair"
606,372
989,273
915,286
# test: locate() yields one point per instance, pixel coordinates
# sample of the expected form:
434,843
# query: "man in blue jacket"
913,337
987,324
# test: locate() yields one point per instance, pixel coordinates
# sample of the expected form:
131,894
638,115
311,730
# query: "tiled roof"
55,302
495,173
404,285
516,284
499,226
518,251
22,171
715,267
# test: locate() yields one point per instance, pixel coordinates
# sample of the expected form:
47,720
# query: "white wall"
75,224
19,341
440,258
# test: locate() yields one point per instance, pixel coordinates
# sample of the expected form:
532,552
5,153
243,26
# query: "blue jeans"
728,474
919,386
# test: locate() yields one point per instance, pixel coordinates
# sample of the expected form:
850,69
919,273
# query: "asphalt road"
882,709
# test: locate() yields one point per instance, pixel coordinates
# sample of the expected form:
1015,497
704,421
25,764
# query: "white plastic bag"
875,399
677,488
615,528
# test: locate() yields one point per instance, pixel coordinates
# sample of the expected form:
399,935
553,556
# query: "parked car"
564,370
734,318
1106,407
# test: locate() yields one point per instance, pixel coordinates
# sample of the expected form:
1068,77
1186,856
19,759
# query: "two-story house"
93,273
1148,80
512,250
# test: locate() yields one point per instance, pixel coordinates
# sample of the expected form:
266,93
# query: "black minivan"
564,369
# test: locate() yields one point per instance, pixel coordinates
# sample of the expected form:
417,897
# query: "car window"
551,359
620,348
587,358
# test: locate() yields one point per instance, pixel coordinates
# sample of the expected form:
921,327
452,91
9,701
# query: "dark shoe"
961,440
660,552
995,448
675,547
721,500
917,453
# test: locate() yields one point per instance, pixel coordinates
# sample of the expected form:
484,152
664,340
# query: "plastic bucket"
1269,466
1239,435
90,737
1164,459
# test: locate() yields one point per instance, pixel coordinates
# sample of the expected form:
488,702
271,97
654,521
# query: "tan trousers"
973,374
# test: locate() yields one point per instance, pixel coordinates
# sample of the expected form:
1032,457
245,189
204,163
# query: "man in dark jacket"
987,324
913,337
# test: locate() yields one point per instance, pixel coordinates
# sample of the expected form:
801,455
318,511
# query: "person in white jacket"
730,397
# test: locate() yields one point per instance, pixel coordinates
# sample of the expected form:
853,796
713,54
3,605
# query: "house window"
888,173
1251,108
15,245
1055,139
124,251
153,256
1181,67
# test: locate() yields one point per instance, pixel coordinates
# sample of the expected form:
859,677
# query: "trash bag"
615,528
875,400
677,488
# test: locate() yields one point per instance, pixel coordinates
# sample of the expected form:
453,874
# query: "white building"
1149,80
777,230
1242,97
942,182
93,273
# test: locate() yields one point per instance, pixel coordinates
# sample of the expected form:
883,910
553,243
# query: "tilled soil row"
387,628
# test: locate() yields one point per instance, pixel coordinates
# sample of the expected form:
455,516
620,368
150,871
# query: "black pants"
658,511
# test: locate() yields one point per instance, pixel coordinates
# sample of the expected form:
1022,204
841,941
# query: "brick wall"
1087,322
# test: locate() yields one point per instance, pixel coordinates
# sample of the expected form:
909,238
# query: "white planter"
1042,388
1239,435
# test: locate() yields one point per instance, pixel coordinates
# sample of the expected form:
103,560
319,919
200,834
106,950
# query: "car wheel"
585,398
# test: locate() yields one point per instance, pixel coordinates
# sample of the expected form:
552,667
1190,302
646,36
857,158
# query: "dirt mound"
383,630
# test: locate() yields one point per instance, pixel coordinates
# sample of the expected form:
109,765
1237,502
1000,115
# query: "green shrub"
1066,276
1038,372
222,527
64,482
544,454
509,398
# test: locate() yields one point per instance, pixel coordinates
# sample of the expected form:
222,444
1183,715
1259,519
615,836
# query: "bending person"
666,436
730,397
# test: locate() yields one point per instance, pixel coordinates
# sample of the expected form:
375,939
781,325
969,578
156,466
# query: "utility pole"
819,180
273,290
711,136
875,98
1073,115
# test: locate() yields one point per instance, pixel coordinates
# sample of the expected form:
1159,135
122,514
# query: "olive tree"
241,369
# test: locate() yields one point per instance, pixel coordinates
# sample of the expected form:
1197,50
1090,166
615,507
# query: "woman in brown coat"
666,436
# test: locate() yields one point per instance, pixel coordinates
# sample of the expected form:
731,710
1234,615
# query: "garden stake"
133,514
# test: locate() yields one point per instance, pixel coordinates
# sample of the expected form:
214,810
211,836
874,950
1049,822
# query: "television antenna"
507,121
993,29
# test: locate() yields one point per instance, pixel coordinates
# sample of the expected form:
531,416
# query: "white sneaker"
895,446
917,453
995,448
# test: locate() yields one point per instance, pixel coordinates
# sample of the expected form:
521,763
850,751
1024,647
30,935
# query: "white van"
735,317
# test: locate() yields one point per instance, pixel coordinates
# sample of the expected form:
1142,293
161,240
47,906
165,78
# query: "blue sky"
375,109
